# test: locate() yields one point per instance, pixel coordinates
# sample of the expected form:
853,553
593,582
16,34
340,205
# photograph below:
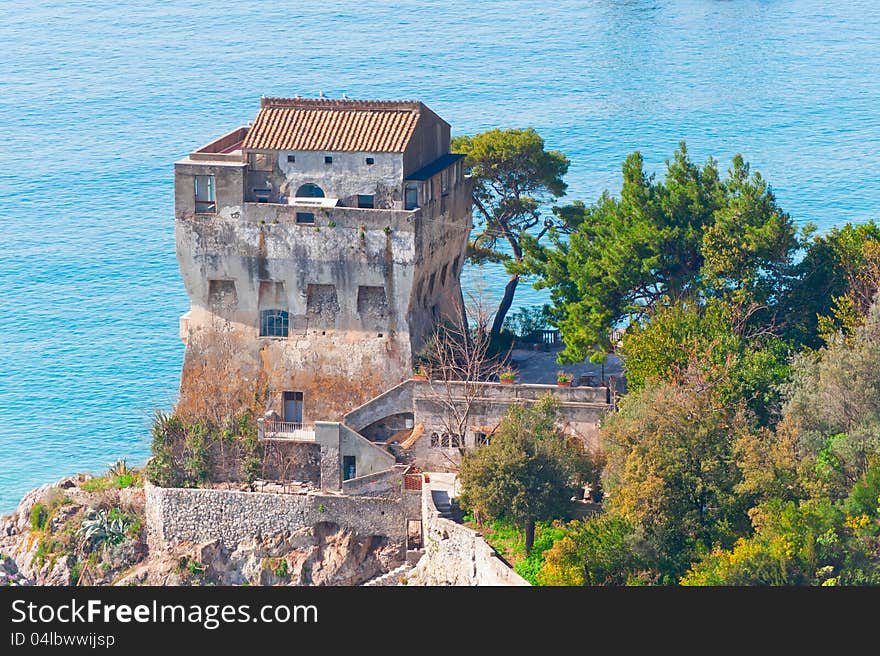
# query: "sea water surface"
99,98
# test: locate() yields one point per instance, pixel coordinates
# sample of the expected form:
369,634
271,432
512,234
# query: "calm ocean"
97,100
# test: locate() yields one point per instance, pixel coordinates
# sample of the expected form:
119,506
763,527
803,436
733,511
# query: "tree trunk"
504,306
463,318
530,535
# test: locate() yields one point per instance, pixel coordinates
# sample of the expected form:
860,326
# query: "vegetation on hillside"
528,472
747,450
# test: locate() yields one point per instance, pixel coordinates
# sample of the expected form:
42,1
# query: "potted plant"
507,377
419,374
563,379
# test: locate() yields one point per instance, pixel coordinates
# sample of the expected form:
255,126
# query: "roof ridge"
340,103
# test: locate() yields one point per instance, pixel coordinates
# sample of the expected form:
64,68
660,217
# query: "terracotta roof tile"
333,125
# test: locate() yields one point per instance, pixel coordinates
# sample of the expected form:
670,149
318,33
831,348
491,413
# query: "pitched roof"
333,125
432,169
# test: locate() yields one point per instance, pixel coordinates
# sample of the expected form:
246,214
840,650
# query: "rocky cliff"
82,531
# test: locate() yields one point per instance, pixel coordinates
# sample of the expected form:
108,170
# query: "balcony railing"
286,430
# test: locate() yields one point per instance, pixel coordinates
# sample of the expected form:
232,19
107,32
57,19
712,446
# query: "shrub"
39,517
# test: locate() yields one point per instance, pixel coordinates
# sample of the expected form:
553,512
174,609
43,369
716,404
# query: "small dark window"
435,440
262,195
328,159
291,158
273,323
455,440
411,197
481,439
305,217
365,201
370,161
349,467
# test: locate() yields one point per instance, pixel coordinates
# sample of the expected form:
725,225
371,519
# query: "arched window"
310,191
273,323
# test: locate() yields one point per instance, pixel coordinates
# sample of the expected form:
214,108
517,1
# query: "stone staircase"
442,504
389,578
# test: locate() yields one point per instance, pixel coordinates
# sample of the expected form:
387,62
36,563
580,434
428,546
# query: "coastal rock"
55,553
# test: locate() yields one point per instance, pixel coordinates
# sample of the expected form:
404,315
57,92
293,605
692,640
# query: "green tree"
835,283
808,543
690,237
832,405
671,468
714,340
604,549
528,472
513,176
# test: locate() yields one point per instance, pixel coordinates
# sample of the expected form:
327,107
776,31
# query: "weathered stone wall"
344,178
389,275
369,458
176,515
383,483
457,555
292,461
581,409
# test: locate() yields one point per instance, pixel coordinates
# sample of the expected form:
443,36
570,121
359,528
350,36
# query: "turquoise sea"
98,98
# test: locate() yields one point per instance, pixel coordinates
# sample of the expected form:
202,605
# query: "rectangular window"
261,161
262,195
349,468
305,217
481,439
291,159
205,201
365,201
411,197
328,159
273,323
444,182
370,161
429,190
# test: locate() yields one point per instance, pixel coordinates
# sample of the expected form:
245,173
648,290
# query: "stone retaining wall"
199,515
457,555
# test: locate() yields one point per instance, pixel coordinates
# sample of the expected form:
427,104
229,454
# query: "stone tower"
319,247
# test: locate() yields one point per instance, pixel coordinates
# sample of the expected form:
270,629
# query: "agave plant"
119,468
98,528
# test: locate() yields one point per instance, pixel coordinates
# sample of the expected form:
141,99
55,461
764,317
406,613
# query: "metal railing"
288,430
